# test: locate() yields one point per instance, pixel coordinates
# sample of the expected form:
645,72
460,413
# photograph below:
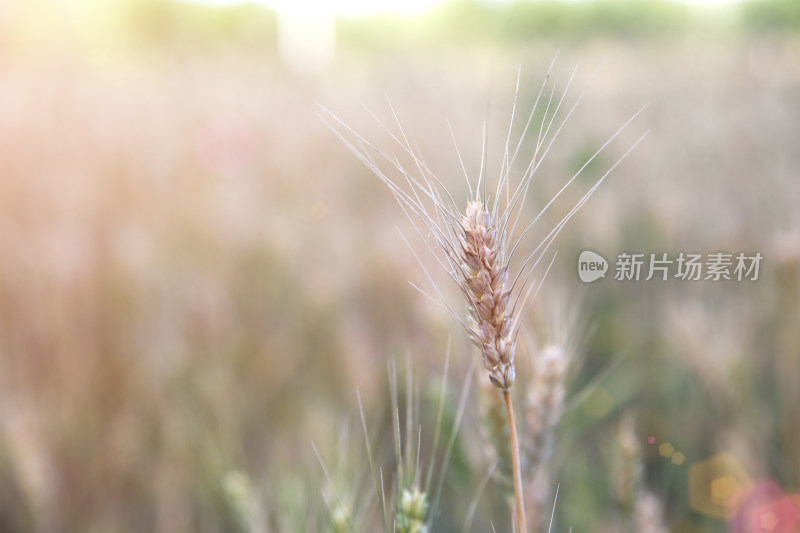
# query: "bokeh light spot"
769,521
651,440
666,450
757,504
678,458
723,489
778,516
716,485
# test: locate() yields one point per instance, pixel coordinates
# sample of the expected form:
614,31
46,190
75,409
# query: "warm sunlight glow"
342,7
365,7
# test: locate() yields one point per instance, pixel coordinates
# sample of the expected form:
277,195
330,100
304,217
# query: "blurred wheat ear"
407,493
641,510
543,407
475,244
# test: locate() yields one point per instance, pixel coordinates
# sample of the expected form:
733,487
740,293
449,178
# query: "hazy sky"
371,6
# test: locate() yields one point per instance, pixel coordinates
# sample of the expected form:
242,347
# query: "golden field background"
196,275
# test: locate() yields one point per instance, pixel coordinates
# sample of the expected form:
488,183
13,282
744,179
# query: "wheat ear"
640,508
484,283
629,467
544,404
475,247
649,514
411,510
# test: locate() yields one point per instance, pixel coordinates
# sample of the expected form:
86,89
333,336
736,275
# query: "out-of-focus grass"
195,275
781,15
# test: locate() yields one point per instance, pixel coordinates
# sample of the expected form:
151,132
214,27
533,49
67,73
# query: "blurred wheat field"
195,275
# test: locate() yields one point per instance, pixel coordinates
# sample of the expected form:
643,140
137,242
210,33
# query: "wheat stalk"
483,280
495,429
475,245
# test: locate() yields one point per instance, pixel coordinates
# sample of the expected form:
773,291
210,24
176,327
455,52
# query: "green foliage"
523,21
771,15
161,22
519,22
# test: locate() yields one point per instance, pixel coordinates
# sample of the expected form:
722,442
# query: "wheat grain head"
475,244
543,405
